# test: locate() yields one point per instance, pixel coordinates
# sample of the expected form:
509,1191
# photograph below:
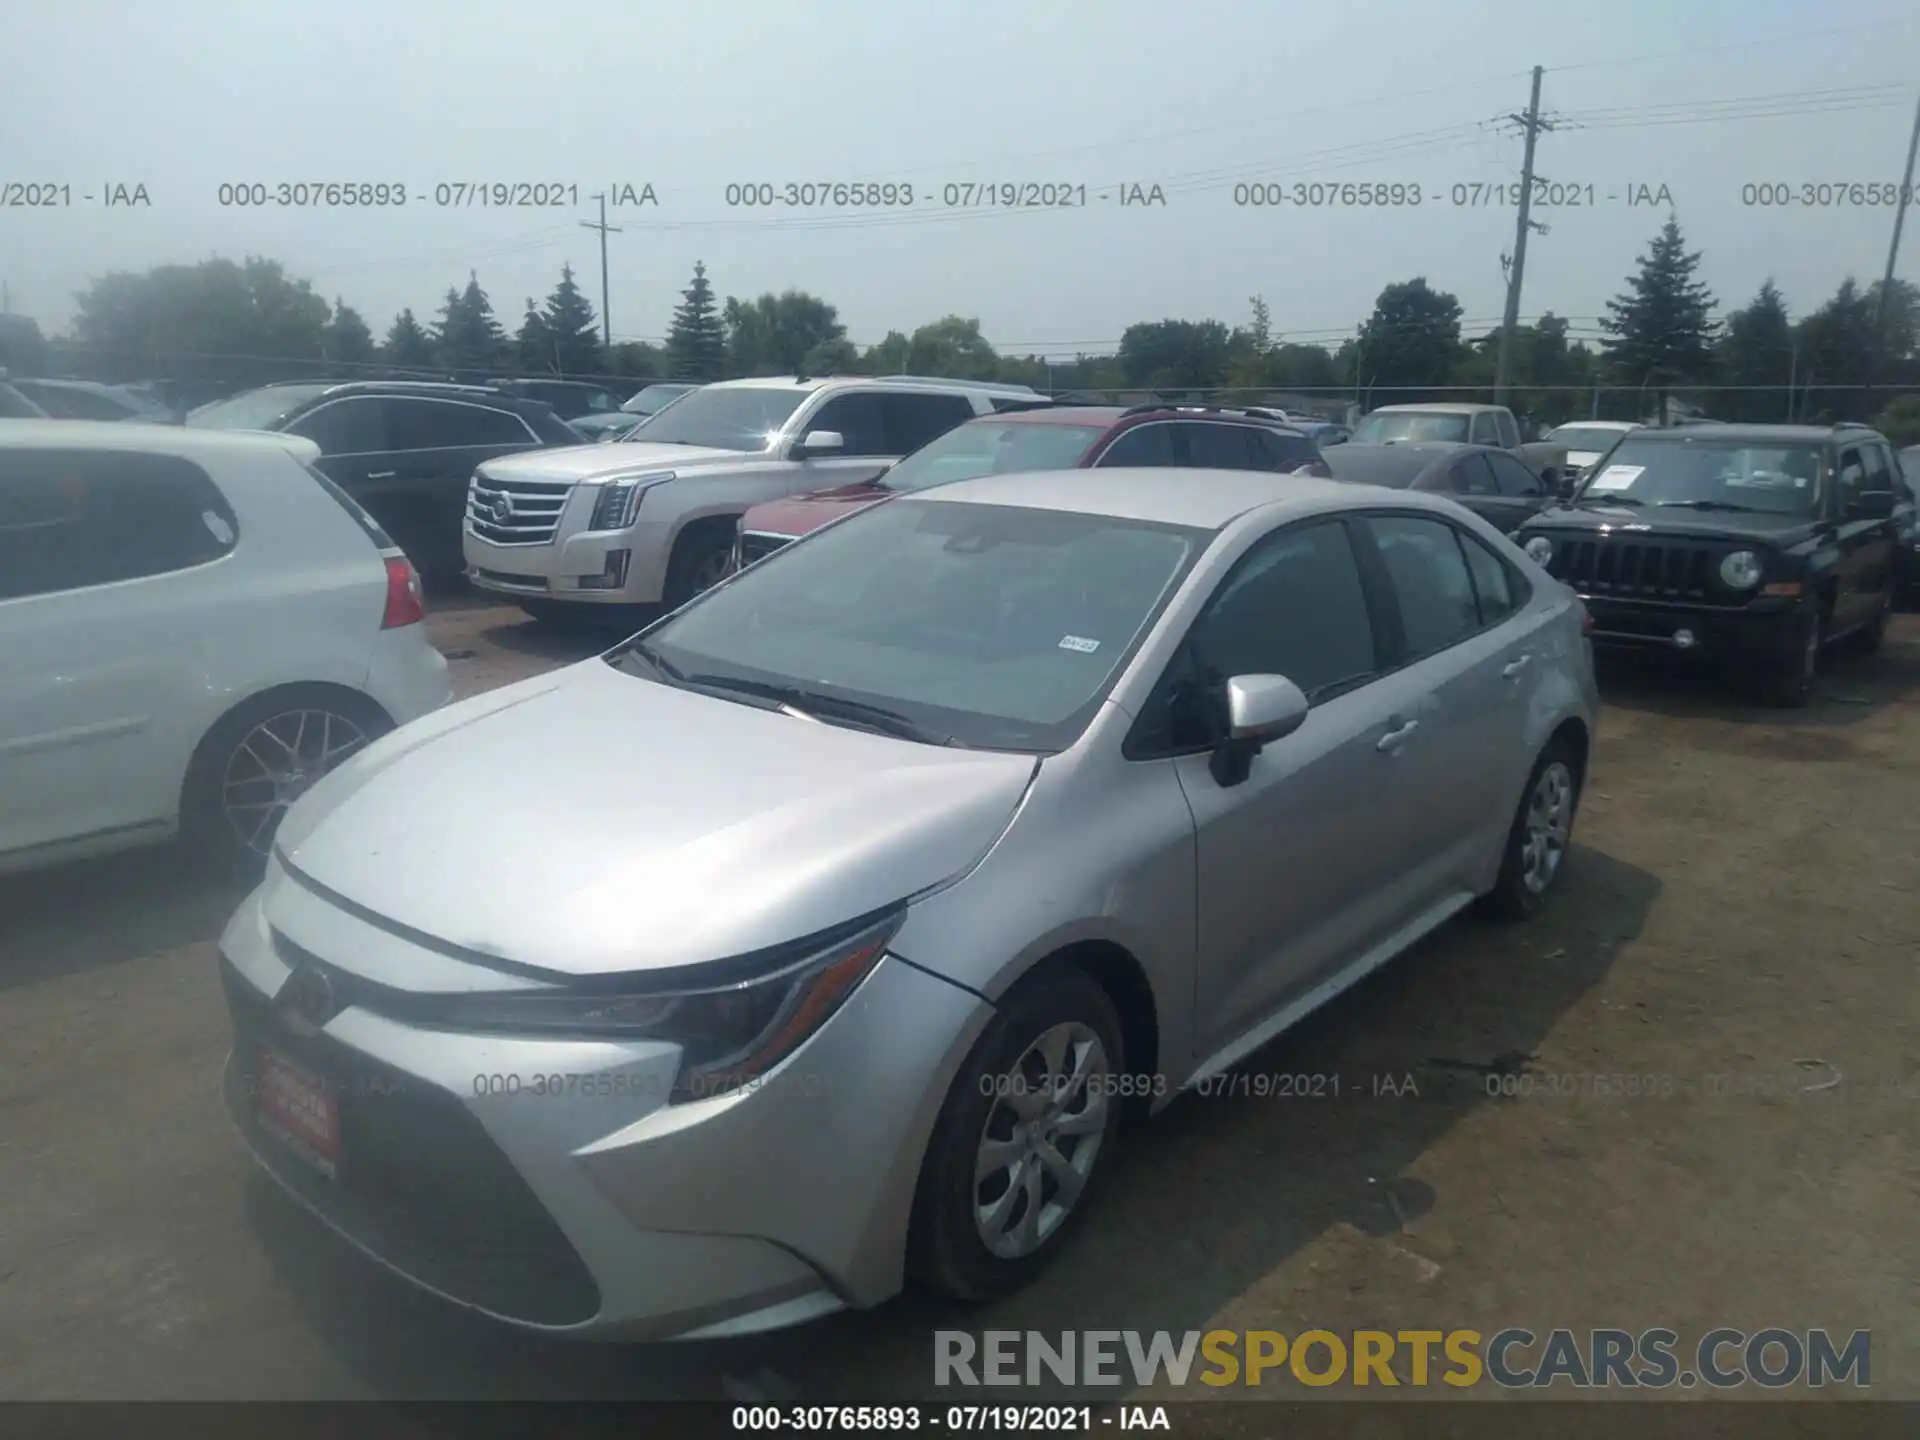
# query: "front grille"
757,545
515,512
420,1182
1637,569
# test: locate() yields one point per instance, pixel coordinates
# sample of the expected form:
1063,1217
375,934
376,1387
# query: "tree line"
222,325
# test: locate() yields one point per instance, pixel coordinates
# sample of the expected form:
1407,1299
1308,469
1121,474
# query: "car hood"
594,462
806,513
594,822
1598,517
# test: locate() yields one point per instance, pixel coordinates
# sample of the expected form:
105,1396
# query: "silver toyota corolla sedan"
818,937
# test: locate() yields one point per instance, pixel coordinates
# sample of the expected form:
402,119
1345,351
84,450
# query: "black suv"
570,399
404,449
1752,546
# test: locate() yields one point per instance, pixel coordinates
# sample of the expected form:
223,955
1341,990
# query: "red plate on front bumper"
295,1106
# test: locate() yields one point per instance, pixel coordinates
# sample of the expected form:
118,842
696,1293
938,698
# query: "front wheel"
1026,1132
1790,683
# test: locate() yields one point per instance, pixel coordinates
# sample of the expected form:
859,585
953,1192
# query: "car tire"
1874,634
231,780
1789,684
700,560
1003,1082
1541,834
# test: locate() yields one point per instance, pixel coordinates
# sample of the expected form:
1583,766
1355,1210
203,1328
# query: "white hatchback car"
194,626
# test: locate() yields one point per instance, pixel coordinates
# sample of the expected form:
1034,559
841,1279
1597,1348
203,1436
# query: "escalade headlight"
734,1021
619,501
1539,549
1741,570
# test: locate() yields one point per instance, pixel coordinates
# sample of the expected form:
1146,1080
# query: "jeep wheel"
1790,684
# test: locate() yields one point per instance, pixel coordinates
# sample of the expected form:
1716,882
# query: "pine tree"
1660,330
346,341
696,341
534,341
1756,350
570,324
408,346
469,337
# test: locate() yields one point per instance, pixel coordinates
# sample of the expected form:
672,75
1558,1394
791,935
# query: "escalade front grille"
757,545
1636,569
515,512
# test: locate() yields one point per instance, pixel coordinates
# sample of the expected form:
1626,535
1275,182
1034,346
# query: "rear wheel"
1026,1133
262,757
1541,833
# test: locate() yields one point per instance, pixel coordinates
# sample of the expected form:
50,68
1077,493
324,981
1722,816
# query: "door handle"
1394,739
1512,672
381,474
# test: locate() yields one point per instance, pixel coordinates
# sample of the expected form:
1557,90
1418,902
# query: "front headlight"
733,1021
619,500
1741,570
1539,549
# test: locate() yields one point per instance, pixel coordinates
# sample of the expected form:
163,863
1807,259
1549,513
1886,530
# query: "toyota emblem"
309,998
503,508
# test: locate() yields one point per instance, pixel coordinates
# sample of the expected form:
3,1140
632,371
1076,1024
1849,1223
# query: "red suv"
1053,437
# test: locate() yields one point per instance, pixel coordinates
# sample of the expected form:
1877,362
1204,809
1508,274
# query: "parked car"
1906,522
194,627
1754,547
571,400
1464,425
652,519
609,425
262,408
1324,433
1489,482
85,400
1588,440
405,450
14,405
1050,438
912,861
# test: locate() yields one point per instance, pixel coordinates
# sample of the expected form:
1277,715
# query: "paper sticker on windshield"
1080,643
221,531
1616,477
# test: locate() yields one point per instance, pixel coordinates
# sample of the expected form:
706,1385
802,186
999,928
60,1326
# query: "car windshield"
744,418
1386,429
992,447
1711,474
1584,438
653,398
995,627
254,409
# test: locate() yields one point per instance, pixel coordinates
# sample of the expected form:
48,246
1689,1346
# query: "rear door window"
1471,475
449,425
1283,452
353,426
916,420
1142,445
1514,478
70,520
1218,447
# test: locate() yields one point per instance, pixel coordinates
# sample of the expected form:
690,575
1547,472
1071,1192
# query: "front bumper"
1762,632
577,567
545,1183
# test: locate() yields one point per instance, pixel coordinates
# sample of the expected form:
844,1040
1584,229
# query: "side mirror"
820,442
1260,710
1874,505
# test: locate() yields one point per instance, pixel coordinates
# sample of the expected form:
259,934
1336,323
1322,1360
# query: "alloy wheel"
1549,824
1038,1146
277,762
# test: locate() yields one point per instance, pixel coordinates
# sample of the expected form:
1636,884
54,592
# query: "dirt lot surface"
1739,924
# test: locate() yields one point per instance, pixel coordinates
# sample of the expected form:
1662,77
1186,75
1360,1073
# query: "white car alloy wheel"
277,762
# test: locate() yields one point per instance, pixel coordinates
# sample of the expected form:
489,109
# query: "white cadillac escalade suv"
651,518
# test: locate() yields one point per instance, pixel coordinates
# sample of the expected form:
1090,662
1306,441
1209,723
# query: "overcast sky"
1196,96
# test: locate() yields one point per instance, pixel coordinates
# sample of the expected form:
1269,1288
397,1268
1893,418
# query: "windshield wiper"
653,659
1713,505
813,705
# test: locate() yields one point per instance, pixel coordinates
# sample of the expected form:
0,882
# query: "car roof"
1754,434
908,382
1438,407
140,435
1056,415
1600,425
93,387
1167,495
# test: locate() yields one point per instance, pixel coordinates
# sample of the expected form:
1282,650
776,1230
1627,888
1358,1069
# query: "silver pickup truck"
1461,424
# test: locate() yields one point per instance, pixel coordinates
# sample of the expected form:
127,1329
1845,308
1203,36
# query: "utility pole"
1533,125
606,318
1893,250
